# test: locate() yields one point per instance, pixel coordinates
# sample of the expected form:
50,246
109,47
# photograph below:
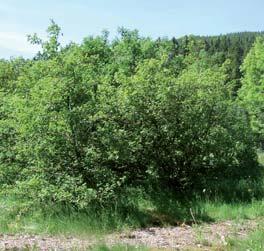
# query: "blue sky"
80,18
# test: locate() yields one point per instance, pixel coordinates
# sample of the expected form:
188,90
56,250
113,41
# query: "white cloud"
17,42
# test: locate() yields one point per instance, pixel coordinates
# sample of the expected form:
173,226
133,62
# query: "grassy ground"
254,242
145,212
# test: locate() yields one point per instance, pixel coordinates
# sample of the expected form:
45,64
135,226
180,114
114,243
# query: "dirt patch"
201,237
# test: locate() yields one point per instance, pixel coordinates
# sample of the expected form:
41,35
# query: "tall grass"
136,209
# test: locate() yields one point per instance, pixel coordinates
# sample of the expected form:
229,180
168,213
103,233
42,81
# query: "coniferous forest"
86,125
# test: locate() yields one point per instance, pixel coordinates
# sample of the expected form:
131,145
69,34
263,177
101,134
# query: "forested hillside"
233,46
81,124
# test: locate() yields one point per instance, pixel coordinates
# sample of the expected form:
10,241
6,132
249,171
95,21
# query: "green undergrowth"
138,207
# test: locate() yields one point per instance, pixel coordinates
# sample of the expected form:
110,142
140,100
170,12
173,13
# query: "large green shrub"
93,118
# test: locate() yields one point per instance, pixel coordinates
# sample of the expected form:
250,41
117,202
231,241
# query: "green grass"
219,211
254,242
139,211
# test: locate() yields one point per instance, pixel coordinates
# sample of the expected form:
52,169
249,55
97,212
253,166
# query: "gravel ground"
183,237
186,237
43,243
